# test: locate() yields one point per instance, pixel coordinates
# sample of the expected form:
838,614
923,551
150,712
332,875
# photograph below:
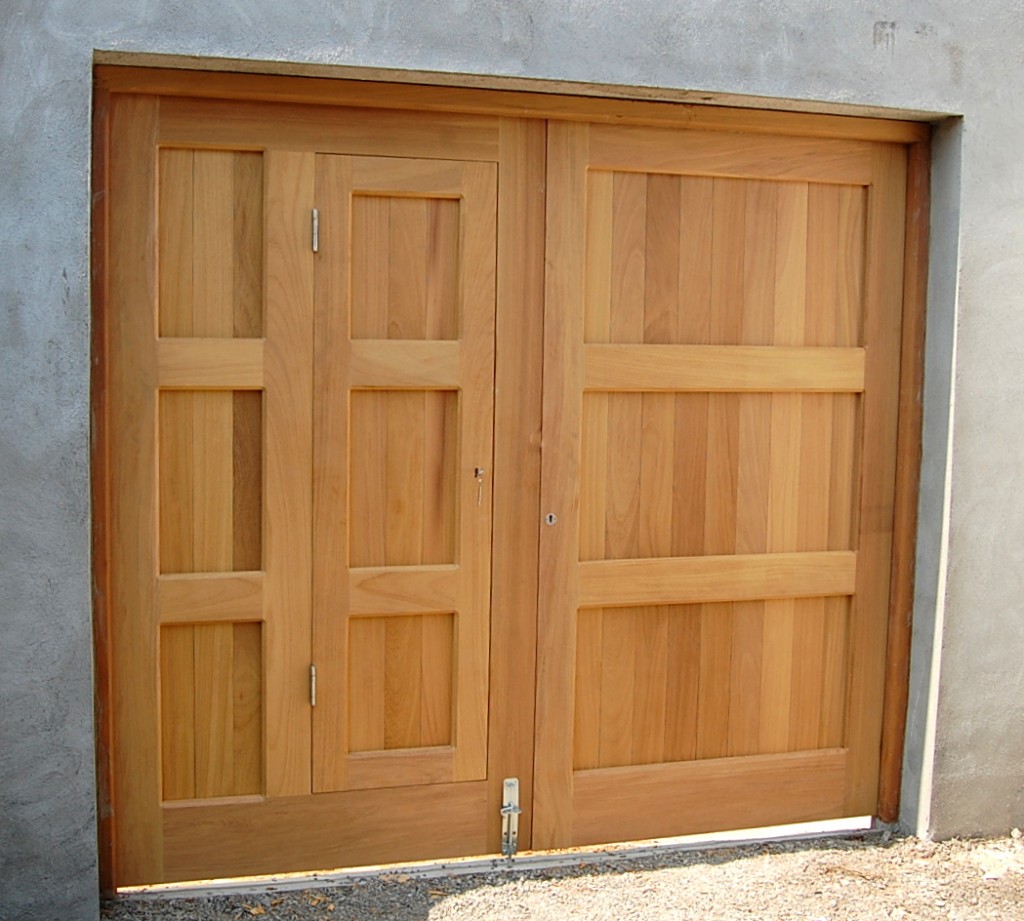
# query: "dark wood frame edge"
908,476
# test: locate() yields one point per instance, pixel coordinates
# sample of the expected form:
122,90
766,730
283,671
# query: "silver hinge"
312,685
316,231
510,817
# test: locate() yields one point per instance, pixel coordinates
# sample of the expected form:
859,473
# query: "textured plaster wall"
941,56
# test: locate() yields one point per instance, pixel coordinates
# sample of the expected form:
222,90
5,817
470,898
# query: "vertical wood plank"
696,233
689,494
177,712
403,681
882,338
442,272
213,495
176,481
247,236
213,226
683,682
649,685
907,481
713,698
247,690
834,664
791,265
214,716
138,846
289,466
587,712
176,242
760,216
594,461
370,278
364,698
618,672
661,266
348,475
368,476
407,276
568,146
745,677
435,723
247,481
852,215
477,325
727,261
403,517
517,421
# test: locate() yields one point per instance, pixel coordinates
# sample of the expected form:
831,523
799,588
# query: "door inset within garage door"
412,422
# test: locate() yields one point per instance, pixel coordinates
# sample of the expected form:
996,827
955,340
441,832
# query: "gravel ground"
867,878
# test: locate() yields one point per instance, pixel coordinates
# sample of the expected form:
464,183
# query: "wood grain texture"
330,830
210,243
288,471
403,421
907,482
628,804
134,703
718,379
557,595
437,93
690,580
732,369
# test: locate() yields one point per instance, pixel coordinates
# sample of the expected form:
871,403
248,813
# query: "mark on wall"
885,36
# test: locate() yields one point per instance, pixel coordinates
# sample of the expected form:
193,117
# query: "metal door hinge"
316,230
510,817
312,685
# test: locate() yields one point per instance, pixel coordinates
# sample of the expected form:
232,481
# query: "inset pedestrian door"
446,437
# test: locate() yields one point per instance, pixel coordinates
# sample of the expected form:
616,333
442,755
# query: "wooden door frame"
518,439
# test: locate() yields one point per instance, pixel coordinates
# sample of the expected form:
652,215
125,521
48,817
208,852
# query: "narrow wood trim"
210,364
519,358
707,579
515,103
100,486
403,590
908,478
242,837
723,368
712,795
402,767
131,431
397,363
196,598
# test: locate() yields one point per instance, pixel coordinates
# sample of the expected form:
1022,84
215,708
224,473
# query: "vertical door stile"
883,299
559,547
516,480
330,464
289,467
133,435
476,415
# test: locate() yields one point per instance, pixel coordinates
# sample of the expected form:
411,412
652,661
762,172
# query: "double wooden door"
449,448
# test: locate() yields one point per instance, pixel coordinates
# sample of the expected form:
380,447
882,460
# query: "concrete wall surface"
966,737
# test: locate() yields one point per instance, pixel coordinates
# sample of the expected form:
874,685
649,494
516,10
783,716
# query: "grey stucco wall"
941,56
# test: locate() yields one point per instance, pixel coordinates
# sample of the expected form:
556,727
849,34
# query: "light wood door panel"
680,347
714,590
403,461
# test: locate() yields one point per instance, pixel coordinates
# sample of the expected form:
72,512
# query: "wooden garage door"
723,328
589,418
